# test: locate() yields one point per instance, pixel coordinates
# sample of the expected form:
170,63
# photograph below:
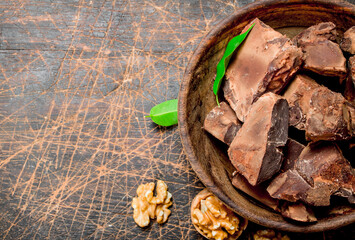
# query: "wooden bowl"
207,156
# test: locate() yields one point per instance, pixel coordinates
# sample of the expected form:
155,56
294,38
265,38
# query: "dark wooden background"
76,79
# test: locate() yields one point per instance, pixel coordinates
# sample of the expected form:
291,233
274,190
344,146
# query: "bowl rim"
205,44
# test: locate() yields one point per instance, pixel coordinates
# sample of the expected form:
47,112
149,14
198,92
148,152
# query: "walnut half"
146,206
268,234
213,219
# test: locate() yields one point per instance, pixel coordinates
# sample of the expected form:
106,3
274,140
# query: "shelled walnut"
268,234
146,206
213,219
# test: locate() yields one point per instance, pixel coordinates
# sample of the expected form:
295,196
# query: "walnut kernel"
269,234
213,219
146,206
161,190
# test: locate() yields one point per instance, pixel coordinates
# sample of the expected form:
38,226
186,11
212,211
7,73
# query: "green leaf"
232,45
165,114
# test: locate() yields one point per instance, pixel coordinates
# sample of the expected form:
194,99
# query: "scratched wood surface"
76,79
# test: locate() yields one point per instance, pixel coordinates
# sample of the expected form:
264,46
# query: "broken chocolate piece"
317,109
320,32
291,151
323,166
320,172
289,186
349,91
264,62
255,151
222,123
294,94
348,41
325,119
321,55
298,212
349,117
257,192
325,58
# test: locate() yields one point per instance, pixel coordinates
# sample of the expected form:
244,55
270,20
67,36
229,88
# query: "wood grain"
76,79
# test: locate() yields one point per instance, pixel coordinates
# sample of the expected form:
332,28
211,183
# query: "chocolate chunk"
320,172
352,69
257,192
325,119
298,212
289,186
264,62
349,117
348,41
320,32
291,151
321,55
319,110
299,87
222,123
325,58
255,151
349,91
323,166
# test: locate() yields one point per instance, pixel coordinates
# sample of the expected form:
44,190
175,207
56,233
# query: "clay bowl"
207,156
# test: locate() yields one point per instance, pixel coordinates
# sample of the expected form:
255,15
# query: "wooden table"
77,78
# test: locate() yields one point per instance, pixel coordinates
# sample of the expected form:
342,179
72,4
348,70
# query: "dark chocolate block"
348,41
264,62
255,151
222,123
